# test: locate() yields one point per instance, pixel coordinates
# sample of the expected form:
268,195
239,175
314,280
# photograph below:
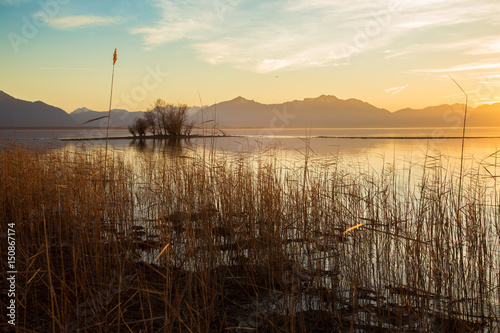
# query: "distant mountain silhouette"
119,117
329,111
323,111
447,116
19,113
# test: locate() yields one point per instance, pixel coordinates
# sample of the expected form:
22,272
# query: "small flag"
114,57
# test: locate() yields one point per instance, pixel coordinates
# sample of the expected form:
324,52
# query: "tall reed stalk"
463,146
115,57
459,199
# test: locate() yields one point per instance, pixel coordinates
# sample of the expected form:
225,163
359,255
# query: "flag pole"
115,57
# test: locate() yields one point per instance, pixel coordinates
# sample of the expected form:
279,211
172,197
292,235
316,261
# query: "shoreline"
254,137
297,137
150,137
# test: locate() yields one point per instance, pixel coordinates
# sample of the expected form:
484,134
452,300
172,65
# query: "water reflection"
371,153
366,148
163,147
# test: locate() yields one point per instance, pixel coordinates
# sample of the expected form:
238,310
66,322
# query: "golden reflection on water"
365,149
369,147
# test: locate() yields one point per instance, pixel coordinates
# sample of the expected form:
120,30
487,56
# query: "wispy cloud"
12,2
77,21
279,35
487,65
189,20
488,46
295,34
463,28
395,90
478,45
490,101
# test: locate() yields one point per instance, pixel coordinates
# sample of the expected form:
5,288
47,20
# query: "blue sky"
391,53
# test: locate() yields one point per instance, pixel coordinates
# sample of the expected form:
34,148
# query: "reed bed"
199,242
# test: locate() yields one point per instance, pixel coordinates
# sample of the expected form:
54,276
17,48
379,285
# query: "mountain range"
329,112
323,111
18,113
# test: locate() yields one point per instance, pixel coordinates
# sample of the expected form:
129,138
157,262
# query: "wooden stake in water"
115,57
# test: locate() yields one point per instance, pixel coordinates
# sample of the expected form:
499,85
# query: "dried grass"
214,244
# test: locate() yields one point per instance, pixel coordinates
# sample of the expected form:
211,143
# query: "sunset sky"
390,53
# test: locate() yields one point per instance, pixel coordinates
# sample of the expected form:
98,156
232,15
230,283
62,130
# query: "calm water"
374,147
402,152
51,134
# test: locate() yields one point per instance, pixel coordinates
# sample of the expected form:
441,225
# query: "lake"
323,141
361,224
359,146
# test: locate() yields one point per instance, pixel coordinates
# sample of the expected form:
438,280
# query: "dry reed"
238,243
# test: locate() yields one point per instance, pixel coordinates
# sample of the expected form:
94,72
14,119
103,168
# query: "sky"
393,54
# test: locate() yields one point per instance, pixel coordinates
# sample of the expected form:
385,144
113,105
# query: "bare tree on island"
150,116
138,127
165,120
